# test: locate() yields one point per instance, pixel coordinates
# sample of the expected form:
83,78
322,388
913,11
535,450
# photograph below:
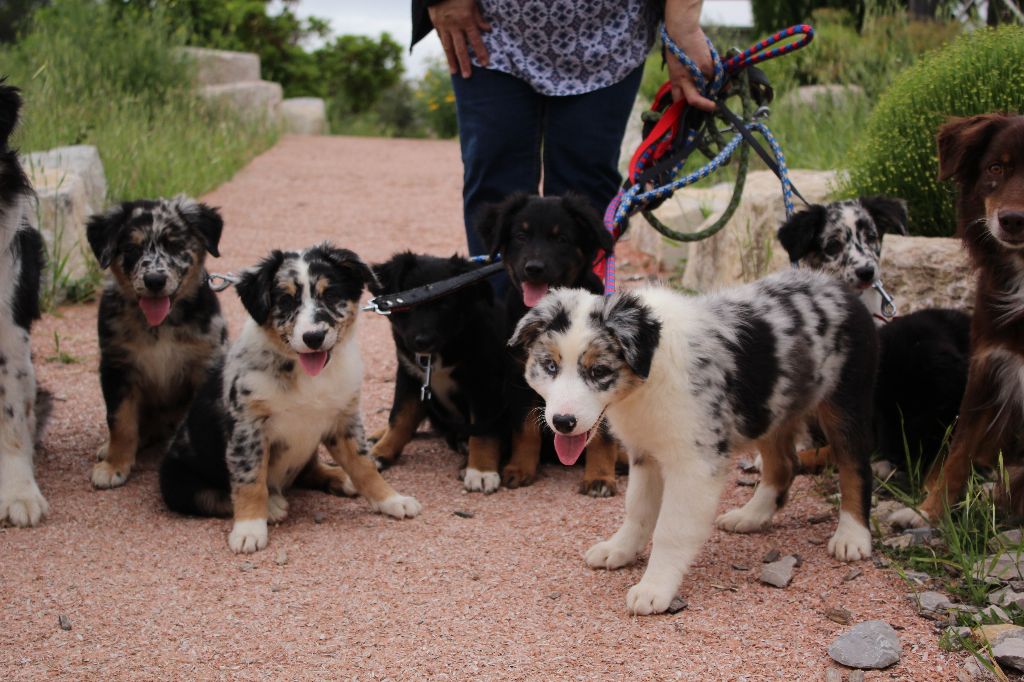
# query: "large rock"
253,100
81,160
747,248
220,67
304,115
927,272
868,645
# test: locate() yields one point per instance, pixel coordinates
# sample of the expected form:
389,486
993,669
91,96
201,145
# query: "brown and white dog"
985,156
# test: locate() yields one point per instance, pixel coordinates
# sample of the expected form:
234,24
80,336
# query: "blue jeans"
512,137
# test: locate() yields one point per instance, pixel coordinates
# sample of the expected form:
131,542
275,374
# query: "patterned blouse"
570,47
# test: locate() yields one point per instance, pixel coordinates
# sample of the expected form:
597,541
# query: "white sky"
373,17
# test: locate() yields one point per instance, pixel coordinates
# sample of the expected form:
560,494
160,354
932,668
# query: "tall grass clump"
107,75
978,73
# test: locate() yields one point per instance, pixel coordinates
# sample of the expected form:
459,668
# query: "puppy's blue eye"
550,366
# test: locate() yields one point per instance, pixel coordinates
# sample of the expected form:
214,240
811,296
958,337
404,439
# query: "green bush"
978,73
92,74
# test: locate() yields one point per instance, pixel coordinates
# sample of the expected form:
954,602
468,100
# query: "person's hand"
682,22
457,23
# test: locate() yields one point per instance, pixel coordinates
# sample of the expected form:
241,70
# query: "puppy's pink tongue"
569,448
155,308
532,293
313,363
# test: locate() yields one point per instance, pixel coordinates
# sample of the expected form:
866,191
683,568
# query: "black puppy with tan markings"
160,325
289,383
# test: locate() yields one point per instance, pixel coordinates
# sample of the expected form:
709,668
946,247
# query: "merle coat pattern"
21,265
544,243
289,383
684,382
464,334
160,325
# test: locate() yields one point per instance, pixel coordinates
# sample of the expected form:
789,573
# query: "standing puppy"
289,383
160,326
21,265
683,382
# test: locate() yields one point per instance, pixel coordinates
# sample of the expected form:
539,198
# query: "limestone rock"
747,248
779,573
62,209
304,115
930,602
220,67
927,272
253,100
82,160
1007,596
1005,566
870,645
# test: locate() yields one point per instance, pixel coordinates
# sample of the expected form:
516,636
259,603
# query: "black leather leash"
385,304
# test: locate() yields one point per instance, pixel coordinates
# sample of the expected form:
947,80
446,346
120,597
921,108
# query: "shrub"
978,73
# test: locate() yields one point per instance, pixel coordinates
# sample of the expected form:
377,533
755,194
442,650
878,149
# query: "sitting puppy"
21,266
683,382
289,383
160,326
461,338
544,243
923,356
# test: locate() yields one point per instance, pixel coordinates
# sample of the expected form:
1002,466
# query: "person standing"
544,88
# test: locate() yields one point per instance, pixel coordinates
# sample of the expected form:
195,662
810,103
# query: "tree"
13,15
360,68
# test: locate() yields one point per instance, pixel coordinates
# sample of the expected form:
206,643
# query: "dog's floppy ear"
350,263
529,327
890,215
388,275
591,226
961,140
204,220
495,222
798,234
10,104
256,284
635,328
103,230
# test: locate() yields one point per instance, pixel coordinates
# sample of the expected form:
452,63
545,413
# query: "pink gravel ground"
502,595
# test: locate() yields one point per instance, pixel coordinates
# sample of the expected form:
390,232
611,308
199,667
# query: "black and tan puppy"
463,337
546,242
160,326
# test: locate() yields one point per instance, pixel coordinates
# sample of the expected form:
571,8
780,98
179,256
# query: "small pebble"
740,567
282,557
554,595
817,542
676,605
837,614
464,514
65,622
853,575
246,566
856,676
773,555
819,518
319,517
275,588
779,573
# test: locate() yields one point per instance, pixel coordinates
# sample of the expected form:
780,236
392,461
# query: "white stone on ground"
872,644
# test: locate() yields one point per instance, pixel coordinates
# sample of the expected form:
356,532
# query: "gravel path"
501,595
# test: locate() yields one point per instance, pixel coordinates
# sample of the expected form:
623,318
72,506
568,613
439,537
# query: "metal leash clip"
219,282
888,307
372,307
424,361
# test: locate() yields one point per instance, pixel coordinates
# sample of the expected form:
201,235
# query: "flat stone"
993,613
927,272
676,605
872,645
220,67
64,622
779,573
1006,540
837,614
82,160
304,116
974,670
1010,652
1006,596
997,632
933,602
252,100
918,577
282,557
1005,566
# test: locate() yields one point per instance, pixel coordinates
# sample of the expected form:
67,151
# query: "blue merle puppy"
160,325
289,383
683,382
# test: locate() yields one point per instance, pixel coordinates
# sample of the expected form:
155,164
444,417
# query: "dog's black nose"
534,268
154,281
424,342
564,422
313,339
865,273
1012,221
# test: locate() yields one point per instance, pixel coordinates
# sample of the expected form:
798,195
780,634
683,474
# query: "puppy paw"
249,536
277,508
644,598
851,542
609,555
515,477
908,518
599,487
399,506
342,485
25,507
743,520
481,481
105,475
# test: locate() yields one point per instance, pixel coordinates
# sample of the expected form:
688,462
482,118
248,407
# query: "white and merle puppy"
160,325
844,239
21,265
288,384
683,382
